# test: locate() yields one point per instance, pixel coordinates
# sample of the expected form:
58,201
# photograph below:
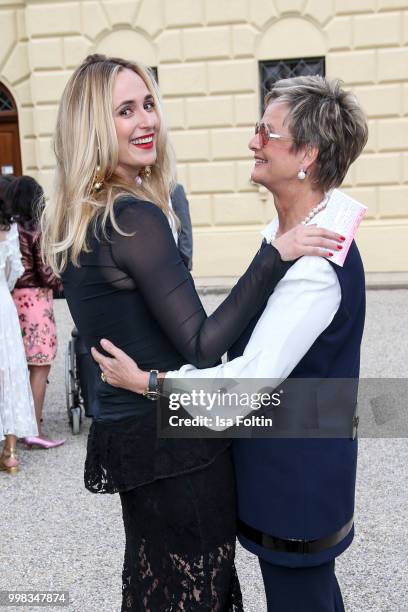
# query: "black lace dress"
177,496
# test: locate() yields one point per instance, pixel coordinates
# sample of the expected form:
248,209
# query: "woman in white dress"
17,416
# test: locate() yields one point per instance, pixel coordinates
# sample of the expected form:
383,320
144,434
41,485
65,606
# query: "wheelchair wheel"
69,377
71,389
76,420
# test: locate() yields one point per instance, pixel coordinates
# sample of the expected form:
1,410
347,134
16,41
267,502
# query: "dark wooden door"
10,154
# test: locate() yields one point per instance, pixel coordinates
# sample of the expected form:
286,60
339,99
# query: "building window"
6,101
10,155
271,71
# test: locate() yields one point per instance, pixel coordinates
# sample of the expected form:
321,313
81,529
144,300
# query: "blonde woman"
107,233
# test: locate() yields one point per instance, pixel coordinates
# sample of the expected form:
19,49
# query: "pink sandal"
42,442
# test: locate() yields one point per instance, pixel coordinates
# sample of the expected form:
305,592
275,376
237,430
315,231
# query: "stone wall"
207,53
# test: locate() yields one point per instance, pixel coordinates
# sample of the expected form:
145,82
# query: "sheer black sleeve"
150,257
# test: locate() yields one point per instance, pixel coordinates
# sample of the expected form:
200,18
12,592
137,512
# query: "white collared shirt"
301,307
172,223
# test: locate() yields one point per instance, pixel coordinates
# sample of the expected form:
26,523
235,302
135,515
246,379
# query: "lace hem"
180,543
208,583
122,455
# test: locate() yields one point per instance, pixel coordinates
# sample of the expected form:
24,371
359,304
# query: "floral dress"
35,311
33,297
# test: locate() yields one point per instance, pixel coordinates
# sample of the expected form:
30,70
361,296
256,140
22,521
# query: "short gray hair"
323,115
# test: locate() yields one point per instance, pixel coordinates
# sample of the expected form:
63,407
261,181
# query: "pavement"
57,536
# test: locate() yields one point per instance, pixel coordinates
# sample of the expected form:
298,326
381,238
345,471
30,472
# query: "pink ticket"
343,215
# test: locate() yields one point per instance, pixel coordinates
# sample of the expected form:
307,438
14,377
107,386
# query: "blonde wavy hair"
85,138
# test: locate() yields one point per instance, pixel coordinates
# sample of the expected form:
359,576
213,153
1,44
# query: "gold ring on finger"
103,377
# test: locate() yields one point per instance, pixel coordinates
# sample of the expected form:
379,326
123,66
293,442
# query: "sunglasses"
266,133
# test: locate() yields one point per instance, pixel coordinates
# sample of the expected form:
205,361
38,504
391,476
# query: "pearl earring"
301,175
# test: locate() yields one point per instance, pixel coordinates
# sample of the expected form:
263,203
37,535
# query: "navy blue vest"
304,488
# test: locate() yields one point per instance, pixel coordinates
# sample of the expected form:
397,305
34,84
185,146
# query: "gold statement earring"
97,184
145,173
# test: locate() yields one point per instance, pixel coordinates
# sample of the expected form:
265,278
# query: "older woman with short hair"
296,496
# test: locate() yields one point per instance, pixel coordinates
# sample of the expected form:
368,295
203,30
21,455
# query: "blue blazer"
304,489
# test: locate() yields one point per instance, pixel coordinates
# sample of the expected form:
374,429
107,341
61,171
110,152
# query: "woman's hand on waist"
119,370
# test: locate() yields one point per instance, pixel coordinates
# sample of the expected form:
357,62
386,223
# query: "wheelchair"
79,387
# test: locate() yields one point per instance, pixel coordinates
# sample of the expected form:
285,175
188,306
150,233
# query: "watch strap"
152,391
153,384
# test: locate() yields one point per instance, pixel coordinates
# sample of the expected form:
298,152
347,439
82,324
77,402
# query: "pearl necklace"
315,211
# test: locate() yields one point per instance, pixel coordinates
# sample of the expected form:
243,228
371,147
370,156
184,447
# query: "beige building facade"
207,53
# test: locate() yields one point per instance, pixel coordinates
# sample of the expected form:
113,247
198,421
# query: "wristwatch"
152,391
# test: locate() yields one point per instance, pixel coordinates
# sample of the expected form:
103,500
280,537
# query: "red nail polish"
342,238
339,247
330,254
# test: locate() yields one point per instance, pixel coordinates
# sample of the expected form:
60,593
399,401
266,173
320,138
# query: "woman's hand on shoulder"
308,240
119,370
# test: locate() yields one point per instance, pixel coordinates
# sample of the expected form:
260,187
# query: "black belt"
302,547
